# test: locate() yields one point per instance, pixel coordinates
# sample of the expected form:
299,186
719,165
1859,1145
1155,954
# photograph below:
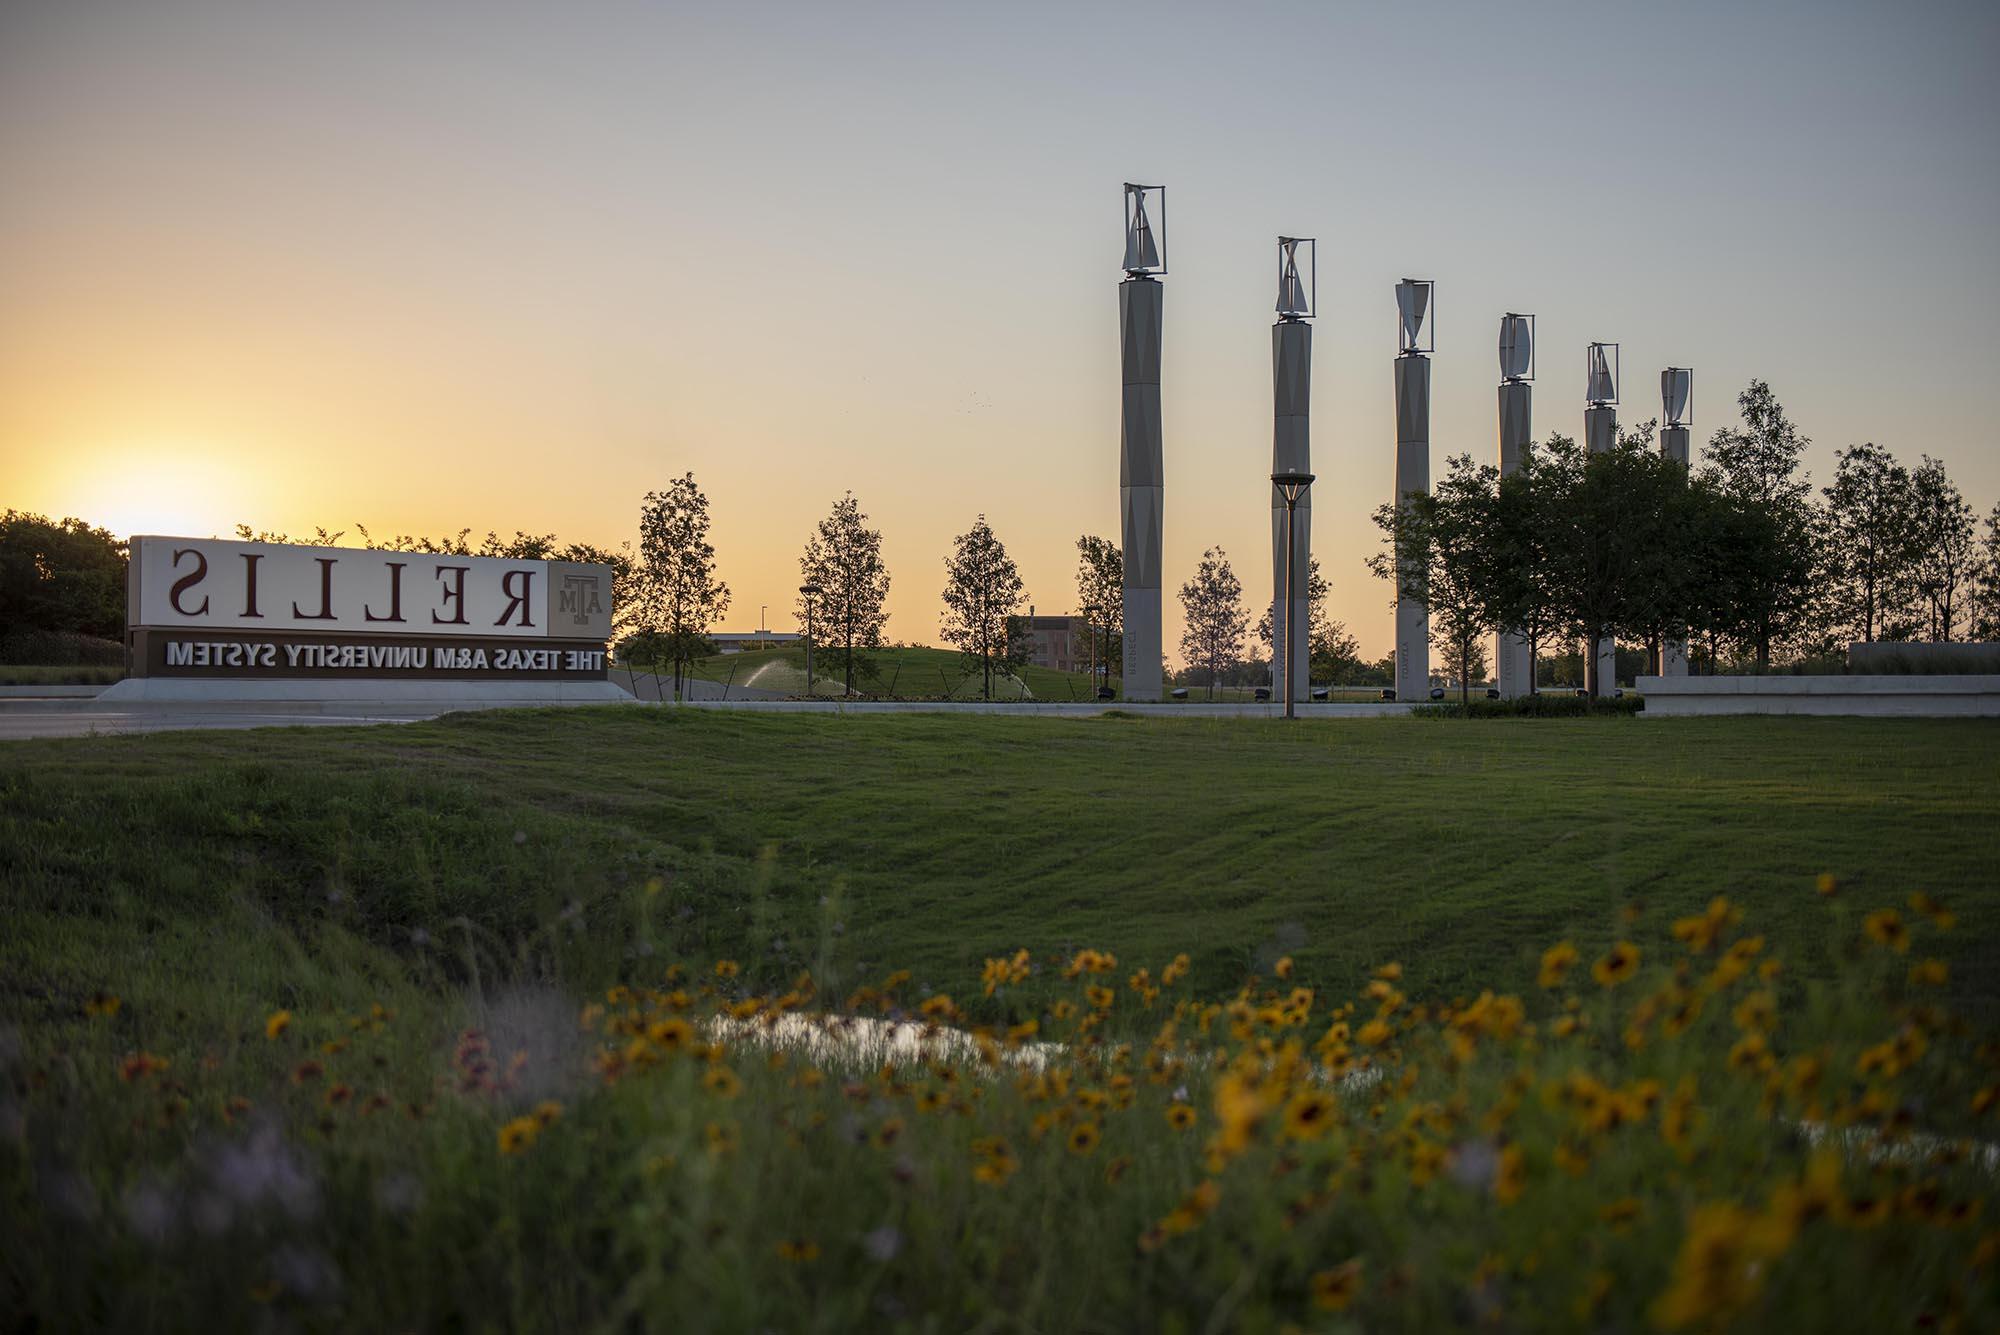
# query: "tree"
60,575
1757,466
1986,583
1100,583
1439,551
1943,527
679,596
1213,606
1871,518
1526,558
1336,654
844,558
982,588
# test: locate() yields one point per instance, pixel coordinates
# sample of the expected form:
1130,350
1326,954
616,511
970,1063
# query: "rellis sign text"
208,608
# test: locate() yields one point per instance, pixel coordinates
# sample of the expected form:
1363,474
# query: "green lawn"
293,1033
934,841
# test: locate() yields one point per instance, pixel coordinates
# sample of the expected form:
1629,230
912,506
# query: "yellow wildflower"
1557,961
1617,966
517,1135
277,1023
1336,1289
1083,1137
1885,928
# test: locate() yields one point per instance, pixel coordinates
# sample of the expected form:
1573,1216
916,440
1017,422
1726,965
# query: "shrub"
1544,704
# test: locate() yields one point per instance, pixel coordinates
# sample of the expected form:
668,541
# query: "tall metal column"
1677,407
1512,660
1600,434
1415,320
1291,455
1140,467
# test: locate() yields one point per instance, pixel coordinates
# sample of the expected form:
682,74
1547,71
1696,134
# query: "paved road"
83,718
43,718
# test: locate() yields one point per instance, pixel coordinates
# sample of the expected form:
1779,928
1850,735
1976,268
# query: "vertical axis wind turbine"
1512,658
1416,338
1677,412
1601,367
1291,455
1140,466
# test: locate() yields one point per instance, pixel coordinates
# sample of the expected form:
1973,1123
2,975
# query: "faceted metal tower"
1677,411
1511,660
1415,326
1600,434
1139,461
1291,453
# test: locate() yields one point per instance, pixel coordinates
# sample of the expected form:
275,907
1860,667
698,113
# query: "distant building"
736,641
1052,642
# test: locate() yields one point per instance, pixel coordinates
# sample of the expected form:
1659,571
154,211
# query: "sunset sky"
423,266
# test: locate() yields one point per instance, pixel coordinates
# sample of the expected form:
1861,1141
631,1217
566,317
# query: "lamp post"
809,591
1291,486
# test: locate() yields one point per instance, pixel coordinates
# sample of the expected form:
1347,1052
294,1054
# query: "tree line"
1738,557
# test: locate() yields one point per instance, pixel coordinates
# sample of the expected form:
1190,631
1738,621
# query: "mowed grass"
517,842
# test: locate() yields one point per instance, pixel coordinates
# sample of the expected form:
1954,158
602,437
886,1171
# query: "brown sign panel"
248,656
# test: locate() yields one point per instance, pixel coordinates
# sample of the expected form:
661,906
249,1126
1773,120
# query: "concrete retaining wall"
441,695
1867,695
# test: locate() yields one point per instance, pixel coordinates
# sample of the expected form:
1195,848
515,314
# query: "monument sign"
231,611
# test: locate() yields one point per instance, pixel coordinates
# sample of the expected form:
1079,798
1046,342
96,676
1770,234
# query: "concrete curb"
51,692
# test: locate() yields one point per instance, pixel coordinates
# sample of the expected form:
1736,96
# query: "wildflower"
1680,1117
1929,973
1100,998
1941,917
339,1094
1375,1033
937,1007
885,1134
798,1250
101,1005
547,1111
1283,968
1180,1116
722,1082
1700,932
1720,1269
1194,1207
1556,963
1083,1138
1751,1053
1828,885
722,1138
277,1023
1620,1213
306,1072
1511,1175
1115,1171
1616,967
1308,1115
139,1065
516,1136
1334,1290
727,968
1020,1033
1885,928
995,1163
1175,971
672,1034
1757,1012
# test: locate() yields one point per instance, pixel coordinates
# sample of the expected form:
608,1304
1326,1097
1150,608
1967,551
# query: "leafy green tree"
1336,654
1215,622
60,575
1779,543
981,590
1440,547
679,595
1100,583
1986,582
844,558
1945,547
1872,525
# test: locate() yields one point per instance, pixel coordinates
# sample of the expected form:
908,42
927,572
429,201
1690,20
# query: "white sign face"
207,583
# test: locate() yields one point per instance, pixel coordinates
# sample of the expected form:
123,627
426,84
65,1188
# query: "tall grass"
1669,1130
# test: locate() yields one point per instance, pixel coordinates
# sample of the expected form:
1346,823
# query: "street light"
1291,486
809,591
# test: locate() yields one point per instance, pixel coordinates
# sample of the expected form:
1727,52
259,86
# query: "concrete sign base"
1867,696
443,695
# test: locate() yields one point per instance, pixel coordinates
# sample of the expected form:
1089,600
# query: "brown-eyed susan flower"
937,1006
306,1072
101,1005
516,1136
721,1137
993,1162
1375,1033
727,968
138,1065
1720,1269
547,1112
1618,965
339,1094
1180,1116
1885,928
1084,1138
1510,1175
1557,961
721,1081
1283,968
1757,1012
1828,885
1941,917
1335,1290
1308,1115
798,1250
1100,998
672,1034
1929,973
277,1023
1115,1170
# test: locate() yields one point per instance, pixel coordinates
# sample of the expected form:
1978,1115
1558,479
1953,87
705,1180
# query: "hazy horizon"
429,266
